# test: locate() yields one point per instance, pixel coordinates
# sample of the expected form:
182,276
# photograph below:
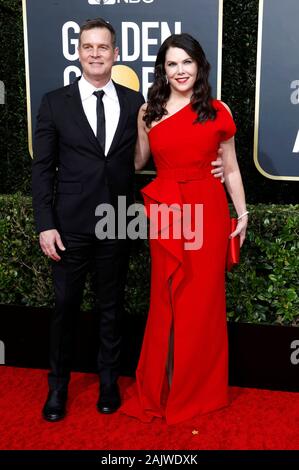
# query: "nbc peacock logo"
102,2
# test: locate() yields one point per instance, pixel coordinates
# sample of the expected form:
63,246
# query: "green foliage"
24,272
15,159
264,288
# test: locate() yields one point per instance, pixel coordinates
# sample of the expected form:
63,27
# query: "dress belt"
185,174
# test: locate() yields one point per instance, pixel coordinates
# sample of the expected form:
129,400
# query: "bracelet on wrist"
243,215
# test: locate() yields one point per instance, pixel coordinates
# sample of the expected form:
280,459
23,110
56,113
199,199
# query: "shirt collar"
87,89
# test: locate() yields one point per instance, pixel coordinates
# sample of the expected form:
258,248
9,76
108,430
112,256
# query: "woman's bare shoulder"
226,107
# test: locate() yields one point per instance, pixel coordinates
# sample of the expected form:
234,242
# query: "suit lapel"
124,112
75,104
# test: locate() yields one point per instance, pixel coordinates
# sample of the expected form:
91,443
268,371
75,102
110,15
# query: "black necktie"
101,132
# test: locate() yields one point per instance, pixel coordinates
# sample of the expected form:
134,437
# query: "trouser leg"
110,272
69,276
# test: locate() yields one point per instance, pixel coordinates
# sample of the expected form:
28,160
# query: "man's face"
97,54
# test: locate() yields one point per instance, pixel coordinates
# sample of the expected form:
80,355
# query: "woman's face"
181,70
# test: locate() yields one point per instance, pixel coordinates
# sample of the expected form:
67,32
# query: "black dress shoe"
55,406
109,399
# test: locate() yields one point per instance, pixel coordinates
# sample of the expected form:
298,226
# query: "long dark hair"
159,92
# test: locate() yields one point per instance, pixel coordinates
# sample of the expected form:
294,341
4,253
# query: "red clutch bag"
233,251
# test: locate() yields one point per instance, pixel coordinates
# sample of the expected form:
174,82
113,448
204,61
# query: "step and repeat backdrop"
52,30
51,40
276,146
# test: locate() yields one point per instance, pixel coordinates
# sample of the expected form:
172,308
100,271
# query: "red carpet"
256,419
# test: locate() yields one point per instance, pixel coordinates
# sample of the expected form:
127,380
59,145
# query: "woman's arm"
142,149
234,185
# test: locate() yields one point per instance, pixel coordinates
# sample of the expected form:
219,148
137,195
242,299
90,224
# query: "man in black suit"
84,156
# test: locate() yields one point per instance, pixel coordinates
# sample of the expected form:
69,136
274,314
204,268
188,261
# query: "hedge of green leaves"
238,90
264,288
15,159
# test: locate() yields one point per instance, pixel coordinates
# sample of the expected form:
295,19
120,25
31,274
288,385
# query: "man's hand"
47,241
218,172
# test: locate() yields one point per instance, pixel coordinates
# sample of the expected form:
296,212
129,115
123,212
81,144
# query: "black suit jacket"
70,172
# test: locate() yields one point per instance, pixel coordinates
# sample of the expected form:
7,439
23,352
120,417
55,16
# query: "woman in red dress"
183,366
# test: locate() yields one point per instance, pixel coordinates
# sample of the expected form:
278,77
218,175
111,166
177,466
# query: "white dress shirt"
111,108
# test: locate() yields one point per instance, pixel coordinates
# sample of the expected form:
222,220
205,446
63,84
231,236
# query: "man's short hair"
98,23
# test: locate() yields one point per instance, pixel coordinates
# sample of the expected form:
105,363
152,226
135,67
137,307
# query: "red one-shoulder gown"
187,285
